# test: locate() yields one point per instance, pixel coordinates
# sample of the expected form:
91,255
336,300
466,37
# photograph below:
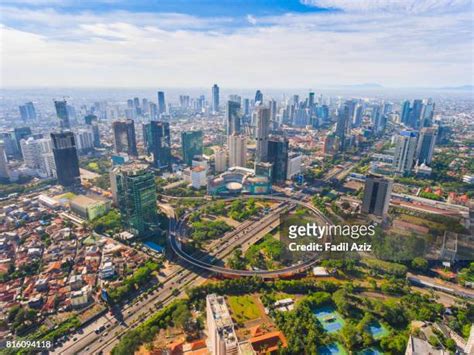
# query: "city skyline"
268,44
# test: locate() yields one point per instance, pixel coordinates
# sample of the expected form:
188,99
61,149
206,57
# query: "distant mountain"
460,88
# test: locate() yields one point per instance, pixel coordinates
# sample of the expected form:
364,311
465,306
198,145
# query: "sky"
236,43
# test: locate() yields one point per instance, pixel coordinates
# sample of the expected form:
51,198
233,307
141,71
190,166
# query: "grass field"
243,308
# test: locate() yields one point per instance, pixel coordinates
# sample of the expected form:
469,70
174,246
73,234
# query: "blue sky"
240,44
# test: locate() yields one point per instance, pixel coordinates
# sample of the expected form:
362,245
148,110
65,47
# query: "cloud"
47,47
393,6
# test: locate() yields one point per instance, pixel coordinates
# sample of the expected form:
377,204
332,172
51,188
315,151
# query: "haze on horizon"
238,44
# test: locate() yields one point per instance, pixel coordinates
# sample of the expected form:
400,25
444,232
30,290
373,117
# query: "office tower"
161,103
377,194
273,109
235,98
160,144
343,125
220,328
294,165
427,114
84,140
192,145
136,102
233,117
65,158
220,161
135,192
296,100
27,111
145,105
379,120
262,131
184,101
153,109
264,169
258,97
215,98
4,171
237,150
278,156
311,99
357,119
405,152
425,145
405,114
62,113
246,107
414,120
89,119
31,152
124,137
387,108
9,144
21,133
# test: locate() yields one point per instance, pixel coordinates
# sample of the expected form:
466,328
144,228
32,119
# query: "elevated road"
176,230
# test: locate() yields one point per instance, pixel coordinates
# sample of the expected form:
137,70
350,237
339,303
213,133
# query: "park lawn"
243,308
67,196
93,166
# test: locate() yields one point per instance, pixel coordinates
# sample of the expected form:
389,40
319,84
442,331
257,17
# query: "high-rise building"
294,165
62,113
278,156
215,98
89,119
357,119
27,111
425,145
233,117
237,150
405,152
4,171
136,196
161,103
21,133
405,114
377,194
192,144
414,120
262,131
160,144
124,137
379,120
220,161
84,140
220,327
258,97
273,109
344,121
311,100
31,152
427,113
65,158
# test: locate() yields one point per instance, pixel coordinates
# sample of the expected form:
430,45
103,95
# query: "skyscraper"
237,150
414,120
65,158
233,117
377,194
21,133
344,121
262,131
427,114
136,197
124,137
425,145
258,97
4,171
405,114
192,145
379,120
161,102
215,98
278,156
92,122
28,112
311,99
160,144
405,152
221,333
62,113
220,161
